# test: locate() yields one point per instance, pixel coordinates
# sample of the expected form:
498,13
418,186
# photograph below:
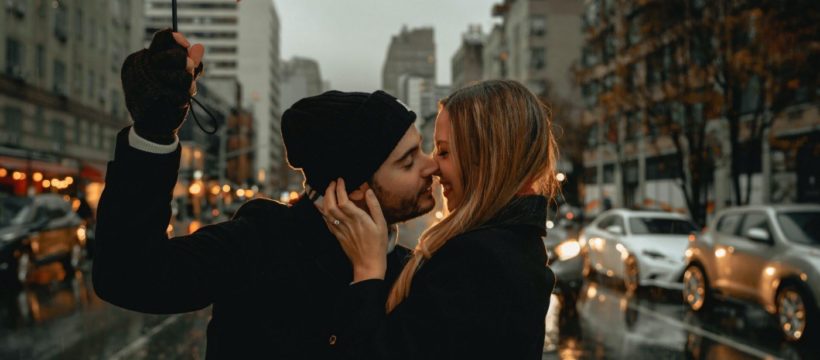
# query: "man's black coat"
273,273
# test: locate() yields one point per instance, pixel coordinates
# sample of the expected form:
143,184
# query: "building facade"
242,42
466,63
60,92
660,125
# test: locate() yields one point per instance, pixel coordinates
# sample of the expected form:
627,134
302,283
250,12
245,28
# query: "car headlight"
568,250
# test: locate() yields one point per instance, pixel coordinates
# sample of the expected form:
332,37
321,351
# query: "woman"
477,285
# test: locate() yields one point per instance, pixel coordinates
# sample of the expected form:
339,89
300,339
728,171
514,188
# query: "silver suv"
769,255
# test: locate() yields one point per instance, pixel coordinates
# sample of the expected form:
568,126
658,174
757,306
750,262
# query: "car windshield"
14,211
800,226
646,225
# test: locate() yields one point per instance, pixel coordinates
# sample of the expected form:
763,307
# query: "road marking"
708,334
142,340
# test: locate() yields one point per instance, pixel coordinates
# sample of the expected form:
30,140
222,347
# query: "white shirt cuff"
139,143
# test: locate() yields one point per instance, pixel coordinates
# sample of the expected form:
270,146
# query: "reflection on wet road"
60,317
654,324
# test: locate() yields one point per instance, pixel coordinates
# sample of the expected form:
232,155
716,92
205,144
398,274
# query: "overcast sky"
349,38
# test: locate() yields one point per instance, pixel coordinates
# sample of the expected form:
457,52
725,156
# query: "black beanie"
344,135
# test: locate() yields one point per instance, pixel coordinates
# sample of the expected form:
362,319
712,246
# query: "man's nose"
431,167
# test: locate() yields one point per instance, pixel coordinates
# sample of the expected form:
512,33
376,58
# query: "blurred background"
689,135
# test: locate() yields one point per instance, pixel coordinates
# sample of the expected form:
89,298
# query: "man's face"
403,183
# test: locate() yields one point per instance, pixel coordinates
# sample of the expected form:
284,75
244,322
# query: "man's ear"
358,194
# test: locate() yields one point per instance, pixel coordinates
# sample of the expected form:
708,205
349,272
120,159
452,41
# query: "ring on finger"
336,222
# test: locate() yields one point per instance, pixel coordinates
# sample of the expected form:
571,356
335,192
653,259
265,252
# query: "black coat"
483,295
273,273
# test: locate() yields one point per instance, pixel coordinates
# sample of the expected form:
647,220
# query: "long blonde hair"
501,141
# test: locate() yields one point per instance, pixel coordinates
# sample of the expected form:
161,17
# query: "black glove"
156,87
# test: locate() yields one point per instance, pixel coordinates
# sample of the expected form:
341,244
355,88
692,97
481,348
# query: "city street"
54,319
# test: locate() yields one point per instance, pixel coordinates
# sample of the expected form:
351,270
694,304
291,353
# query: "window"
800,226
634,125
606,222
538,58
13,125
612,220
662,167
728,224
77,78
589,56
591,175
698,50
609,173
92,33
609,45
750,95
643,226
538,25
222,50
115,104
39,121
40,62
633,36
14,58
59,84
77,133
91,84
60,21
78,20
755,220
58,134
83,129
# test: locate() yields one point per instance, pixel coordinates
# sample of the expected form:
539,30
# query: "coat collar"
529,210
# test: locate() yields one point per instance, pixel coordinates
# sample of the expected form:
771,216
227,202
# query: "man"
274,272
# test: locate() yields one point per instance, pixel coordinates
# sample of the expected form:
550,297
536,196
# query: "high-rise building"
418,93
411,52
241,43
467,61
541,43
60,92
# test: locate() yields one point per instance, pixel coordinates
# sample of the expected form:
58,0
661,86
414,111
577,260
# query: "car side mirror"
615,229
758,234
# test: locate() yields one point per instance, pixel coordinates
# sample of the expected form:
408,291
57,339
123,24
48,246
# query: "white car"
644,248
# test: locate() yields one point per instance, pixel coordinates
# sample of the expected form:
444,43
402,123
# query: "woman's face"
448,172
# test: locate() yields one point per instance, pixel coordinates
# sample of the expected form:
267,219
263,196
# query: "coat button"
332,340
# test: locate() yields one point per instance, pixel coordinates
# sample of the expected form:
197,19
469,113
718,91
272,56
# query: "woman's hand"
363,236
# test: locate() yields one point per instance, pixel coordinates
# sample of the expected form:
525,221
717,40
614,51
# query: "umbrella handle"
174,15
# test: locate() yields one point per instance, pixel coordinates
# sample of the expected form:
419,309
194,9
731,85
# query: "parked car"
643,248
38,230
564,256
768,255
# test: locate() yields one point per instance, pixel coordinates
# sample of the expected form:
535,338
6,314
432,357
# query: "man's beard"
397,209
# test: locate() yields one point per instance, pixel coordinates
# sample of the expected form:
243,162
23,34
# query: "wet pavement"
59,318
62,318
654,324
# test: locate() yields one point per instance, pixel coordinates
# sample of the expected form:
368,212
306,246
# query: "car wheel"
24,267
631,275
795,313
696,292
